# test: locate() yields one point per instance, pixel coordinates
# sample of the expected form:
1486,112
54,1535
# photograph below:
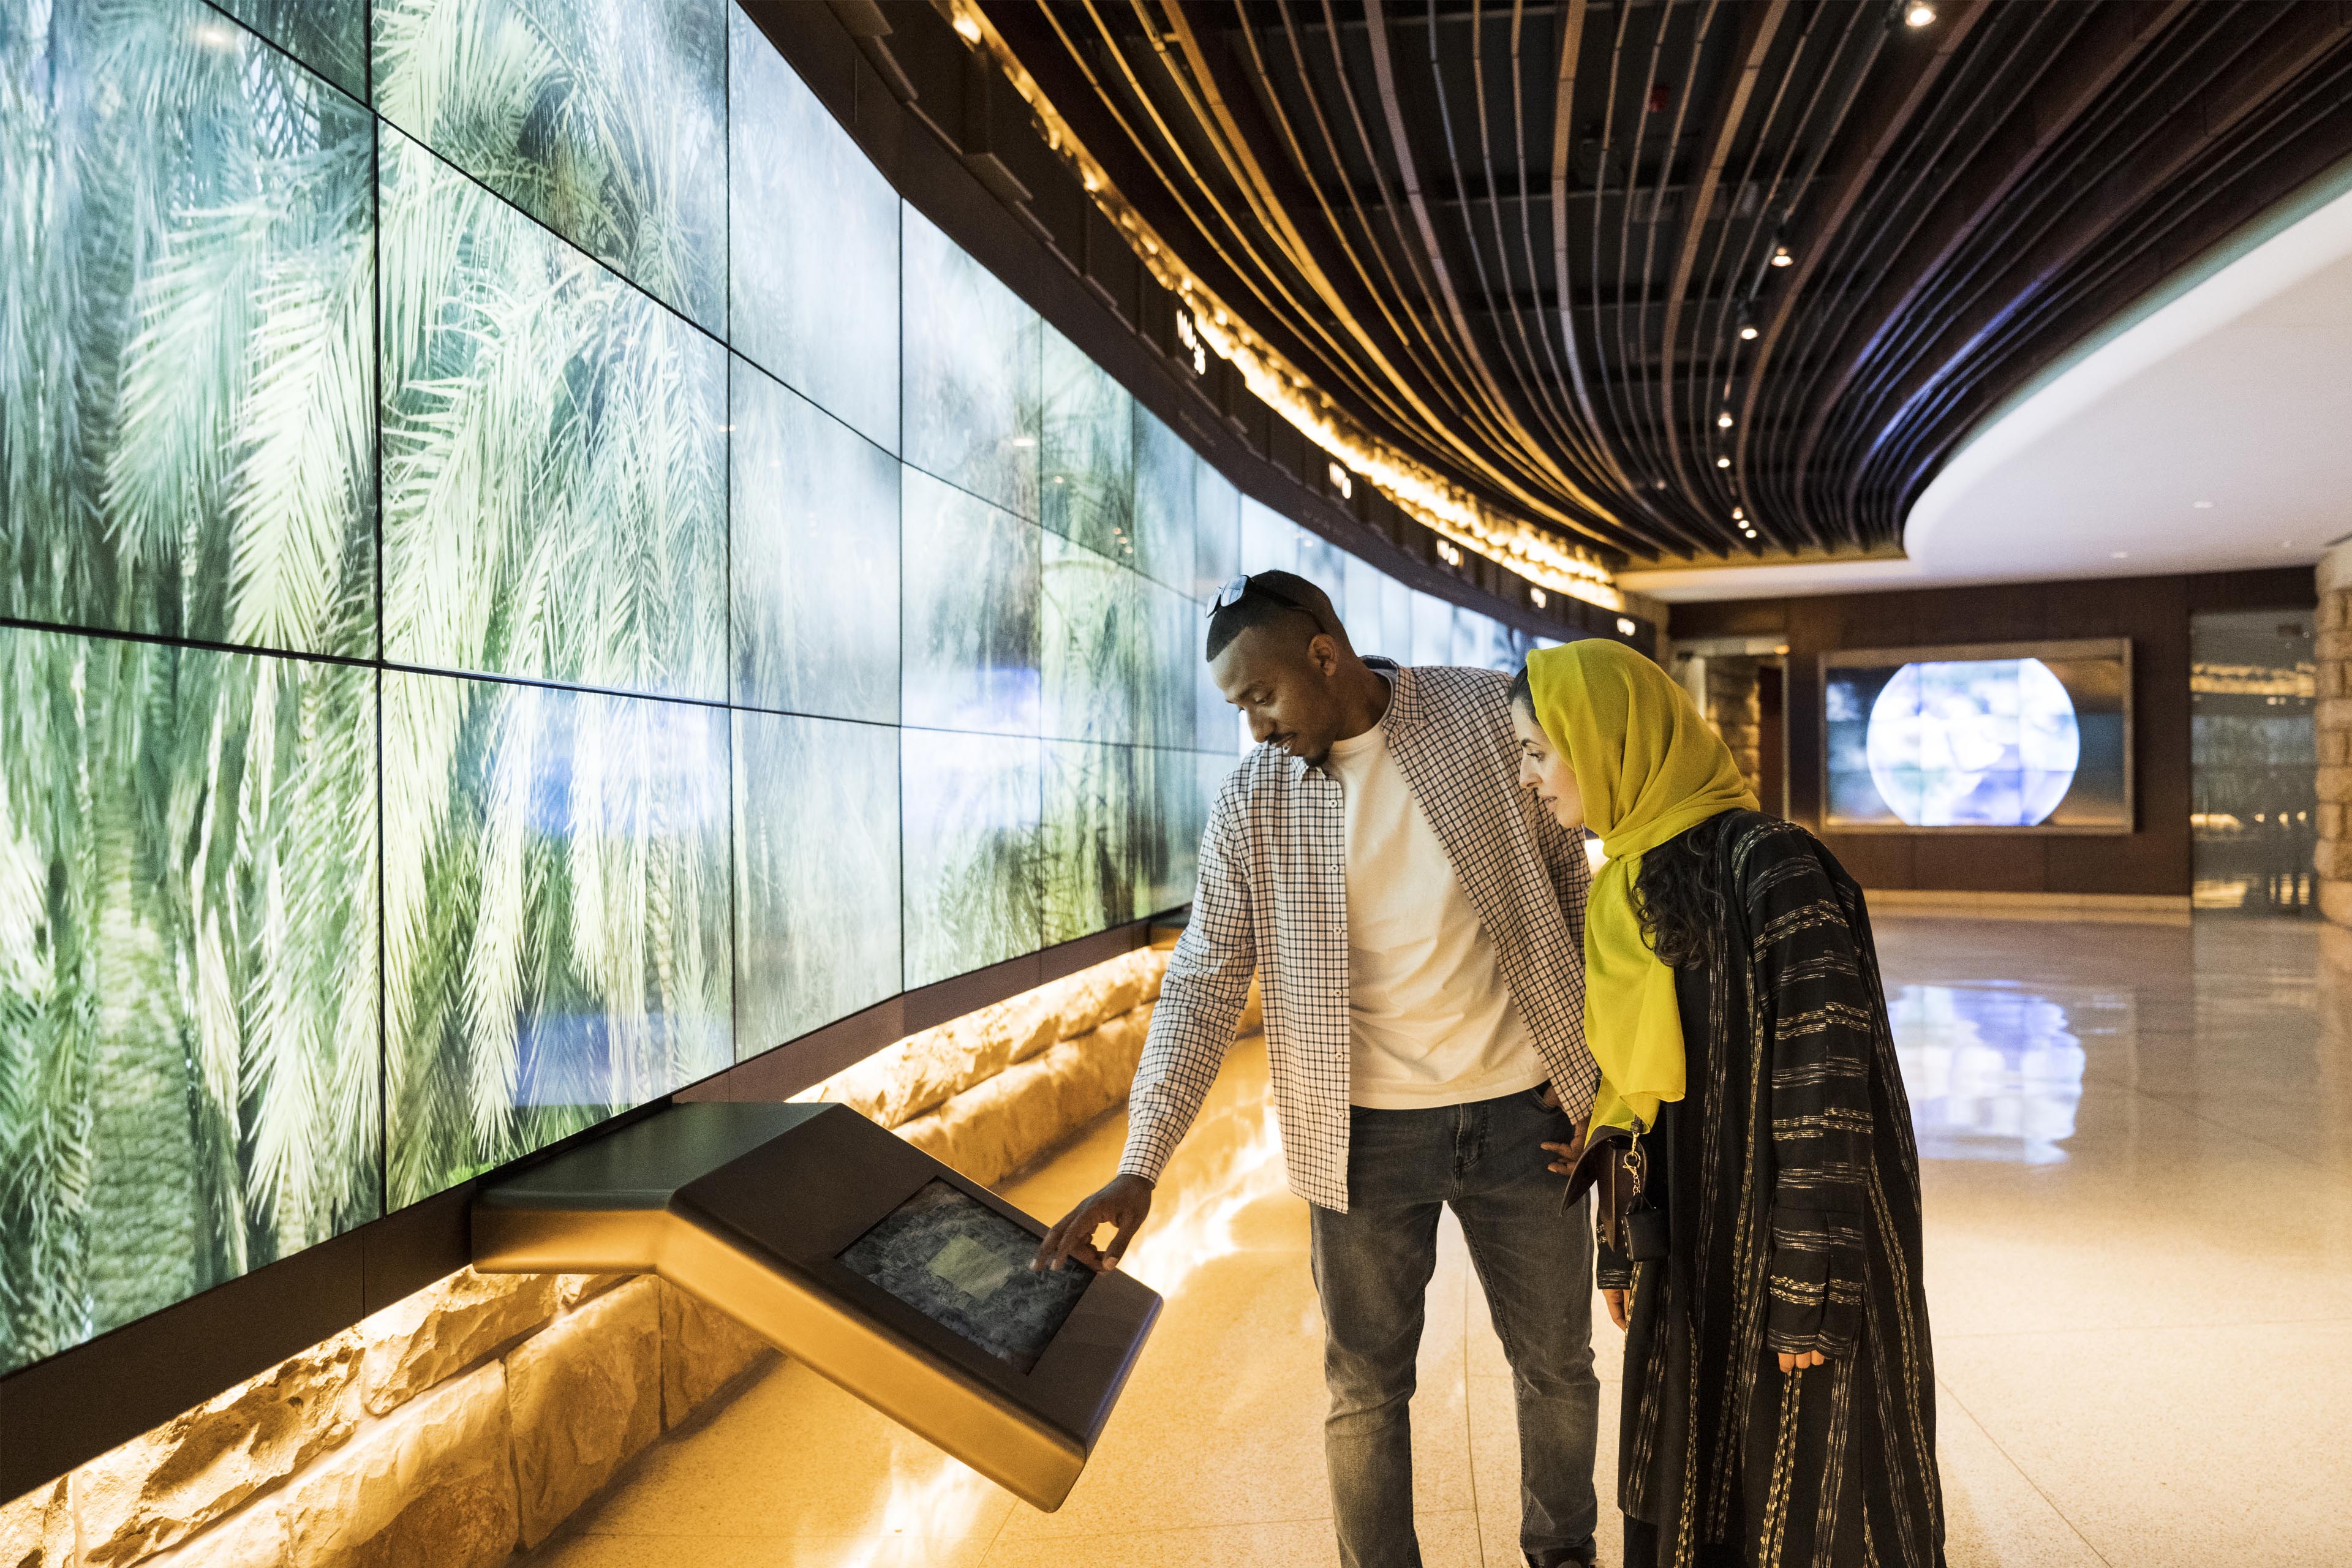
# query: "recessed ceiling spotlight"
1918,16
1739,514
1723,462
1780,256
1625,627
2202,505
1747,334
1722,420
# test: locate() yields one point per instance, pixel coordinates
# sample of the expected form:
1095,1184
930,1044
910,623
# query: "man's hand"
1615,1301
1790,1364
1124,1205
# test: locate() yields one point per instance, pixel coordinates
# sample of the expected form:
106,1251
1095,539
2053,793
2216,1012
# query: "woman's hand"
1564,1155
1615,1301
1790,1364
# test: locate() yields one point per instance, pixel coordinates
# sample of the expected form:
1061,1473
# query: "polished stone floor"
2139,1221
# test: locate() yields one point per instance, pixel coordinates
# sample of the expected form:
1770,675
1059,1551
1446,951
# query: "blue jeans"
1372,1266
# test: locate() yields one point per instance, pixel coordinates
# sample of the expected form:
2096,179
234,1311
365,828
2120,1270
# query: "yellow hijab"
1651,768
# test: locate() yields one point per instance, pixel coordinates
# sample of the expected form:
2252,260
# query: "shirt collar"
1399,681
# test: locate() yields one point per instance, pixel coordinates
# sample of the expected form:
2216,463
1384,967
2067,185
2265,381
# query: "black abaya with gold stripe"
1791,1181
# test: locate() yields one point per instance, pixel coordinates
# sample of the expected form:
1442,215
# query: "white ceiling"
2234,388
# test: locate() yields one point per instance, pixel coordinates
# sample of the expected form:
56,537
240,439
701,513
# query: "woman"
1779,1391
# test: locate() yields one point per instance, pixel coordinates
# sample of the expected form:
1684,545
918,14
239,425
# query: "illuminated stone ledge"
472,1419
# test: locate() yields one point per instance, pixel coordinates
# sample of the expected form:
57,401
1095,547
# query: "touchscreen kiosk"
855,1253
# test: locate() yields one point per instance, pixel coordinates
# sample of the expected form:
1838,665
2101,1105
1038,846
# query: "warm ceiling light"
1723,462
969,28
1625,627
1722,420
1919,15
1739,514
1747,334
1539,597
1780,256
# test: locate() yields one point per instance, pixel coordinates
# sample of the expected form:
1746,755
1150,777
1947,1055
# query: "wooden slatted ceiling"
1523,241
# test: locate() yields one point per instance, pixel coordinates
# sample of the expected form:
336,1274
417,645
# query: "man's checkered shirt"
1273,900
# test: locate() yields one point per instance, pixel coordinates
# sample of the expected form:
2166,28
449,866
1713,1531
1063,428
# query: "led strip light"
1428,497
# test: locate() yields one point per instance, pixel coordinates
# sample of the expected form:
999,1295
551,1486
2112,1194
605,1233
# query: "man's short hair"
1274,597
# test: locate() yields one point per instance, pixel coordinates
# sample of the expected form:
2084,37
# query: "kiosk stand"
855,1253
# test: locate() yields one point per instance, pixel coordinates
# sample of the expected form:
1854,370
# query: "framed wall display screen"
1988,737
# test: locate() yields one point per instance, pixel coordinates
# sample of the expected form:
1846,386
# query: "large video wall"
527,575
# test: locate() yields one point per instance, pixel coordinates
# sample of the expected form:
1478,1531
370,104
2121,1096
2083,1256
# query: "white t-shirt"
1430,1021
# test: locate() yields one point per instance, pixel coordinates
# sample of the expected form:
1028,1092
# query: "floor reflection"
1994,1073
2138,1203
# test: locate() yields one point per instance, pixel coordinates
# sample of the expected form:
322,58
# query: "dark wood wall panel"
2152,612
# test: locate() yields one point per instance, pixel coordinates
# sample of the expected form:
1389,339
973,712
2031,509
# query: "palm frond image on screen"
330,36
605,120
972,405
1433,629
814,231
187,974
816,874
1090,851
1165,488
1322,563
1269,541
1216,531
972,848
556,485
969,590
1169,634
1171,810
2014,736
557,942
1090,645
1087,463
814,517
187,372
1396,611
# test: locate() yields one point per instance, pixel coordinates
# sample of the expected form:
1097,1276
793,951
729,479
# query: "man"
1416,924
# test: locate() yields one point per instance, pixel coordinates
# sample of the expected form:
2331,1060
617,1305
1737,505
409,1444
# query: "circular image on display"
1973,743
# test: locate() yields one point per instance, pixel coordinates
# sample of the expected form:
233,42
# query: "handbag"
1615,1168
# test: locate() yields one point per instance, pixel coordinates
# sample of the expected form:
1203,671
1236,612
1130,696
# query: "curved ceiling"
2206,435
1535,245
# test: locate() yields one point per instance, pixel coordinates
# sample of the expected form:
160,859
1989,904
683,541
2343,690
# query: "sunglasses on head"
1241,587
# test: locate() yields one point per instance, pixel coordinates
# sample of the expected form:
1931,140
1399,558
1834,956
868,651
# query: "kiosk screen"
966,1267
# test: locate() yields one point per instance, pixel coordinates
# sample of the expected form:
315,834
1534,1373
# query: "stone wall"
1726,687
466,1423
2332,719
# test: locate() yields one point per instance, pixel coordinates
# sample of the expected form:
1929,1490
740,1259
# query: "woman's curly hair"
1678,892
